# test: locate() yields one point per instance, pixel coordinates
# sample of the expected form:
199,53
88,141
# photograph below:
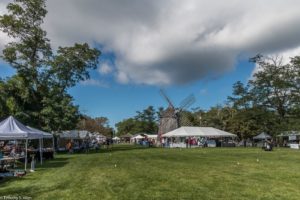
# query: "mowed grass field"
129,172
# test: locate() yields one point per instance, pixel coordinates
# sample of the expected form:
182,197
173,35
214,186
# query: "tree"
39,89
98,124
127,126
276,87
272,85
270,100
145,121
241,96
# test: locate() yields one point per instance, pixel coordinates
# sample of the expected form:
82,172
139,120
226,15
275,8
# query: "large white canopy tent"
190,131
12,129
180,134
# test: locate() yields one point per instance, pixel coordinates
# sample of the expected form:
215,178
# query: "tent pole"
26,153
41,153
53,144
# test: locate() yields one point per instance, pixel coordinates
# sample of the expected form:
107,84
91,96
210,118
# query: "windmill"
173,117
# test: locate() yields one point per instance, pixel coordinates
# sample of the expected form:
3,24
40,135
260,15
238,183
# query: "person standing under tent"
163,142
69,147
13,152
187,142
190,142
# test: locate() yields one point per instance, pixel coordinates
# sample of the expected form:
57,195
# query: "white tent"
45,134
138,137
152,136
12,129
116,138
262,136
73,134
84,134
189,131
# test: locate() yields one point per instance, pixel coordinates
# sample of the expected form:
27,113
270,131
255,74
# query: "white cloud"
174,41
121,77
94,82
285,57
105,68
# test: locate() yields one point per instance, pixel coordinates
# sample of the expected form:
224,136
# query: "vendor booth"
289,139
47,150
12,129
262,136
144,139
66,136
152,138
116,139
188,136
260,139
137,139
126,138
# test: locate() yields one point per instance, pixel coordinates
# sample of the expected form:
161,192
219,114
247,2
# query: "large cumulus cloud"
172,41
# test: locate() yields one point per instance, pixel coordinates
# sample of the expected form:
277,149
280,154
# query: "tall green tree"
273,87
43,75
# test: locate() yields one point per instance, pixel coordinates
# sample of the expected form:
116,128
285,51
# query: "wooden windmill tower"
172,117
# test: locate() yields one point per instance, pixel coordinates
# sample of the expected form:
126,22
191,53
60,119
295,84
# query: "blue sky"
119,101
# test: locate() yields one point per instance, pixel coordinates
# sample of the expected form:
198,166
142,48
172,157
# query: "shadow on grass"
55,163
114,148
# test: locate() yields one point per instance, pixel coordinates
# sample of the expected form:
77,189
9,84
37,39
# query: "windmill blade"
187,102
163,94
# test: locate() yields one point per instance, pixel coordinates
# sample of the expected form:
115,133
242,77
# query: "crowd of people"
87,145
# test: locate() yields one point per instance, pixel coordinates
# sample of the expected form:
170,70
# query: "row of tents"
12,129
206,132
210,132
184,131
80,134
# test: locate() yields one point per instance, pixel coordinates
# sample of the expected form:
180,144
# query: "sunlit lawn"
128,172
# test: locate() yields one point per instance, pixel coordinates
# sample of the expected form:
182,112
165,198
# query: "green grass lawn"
129,172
